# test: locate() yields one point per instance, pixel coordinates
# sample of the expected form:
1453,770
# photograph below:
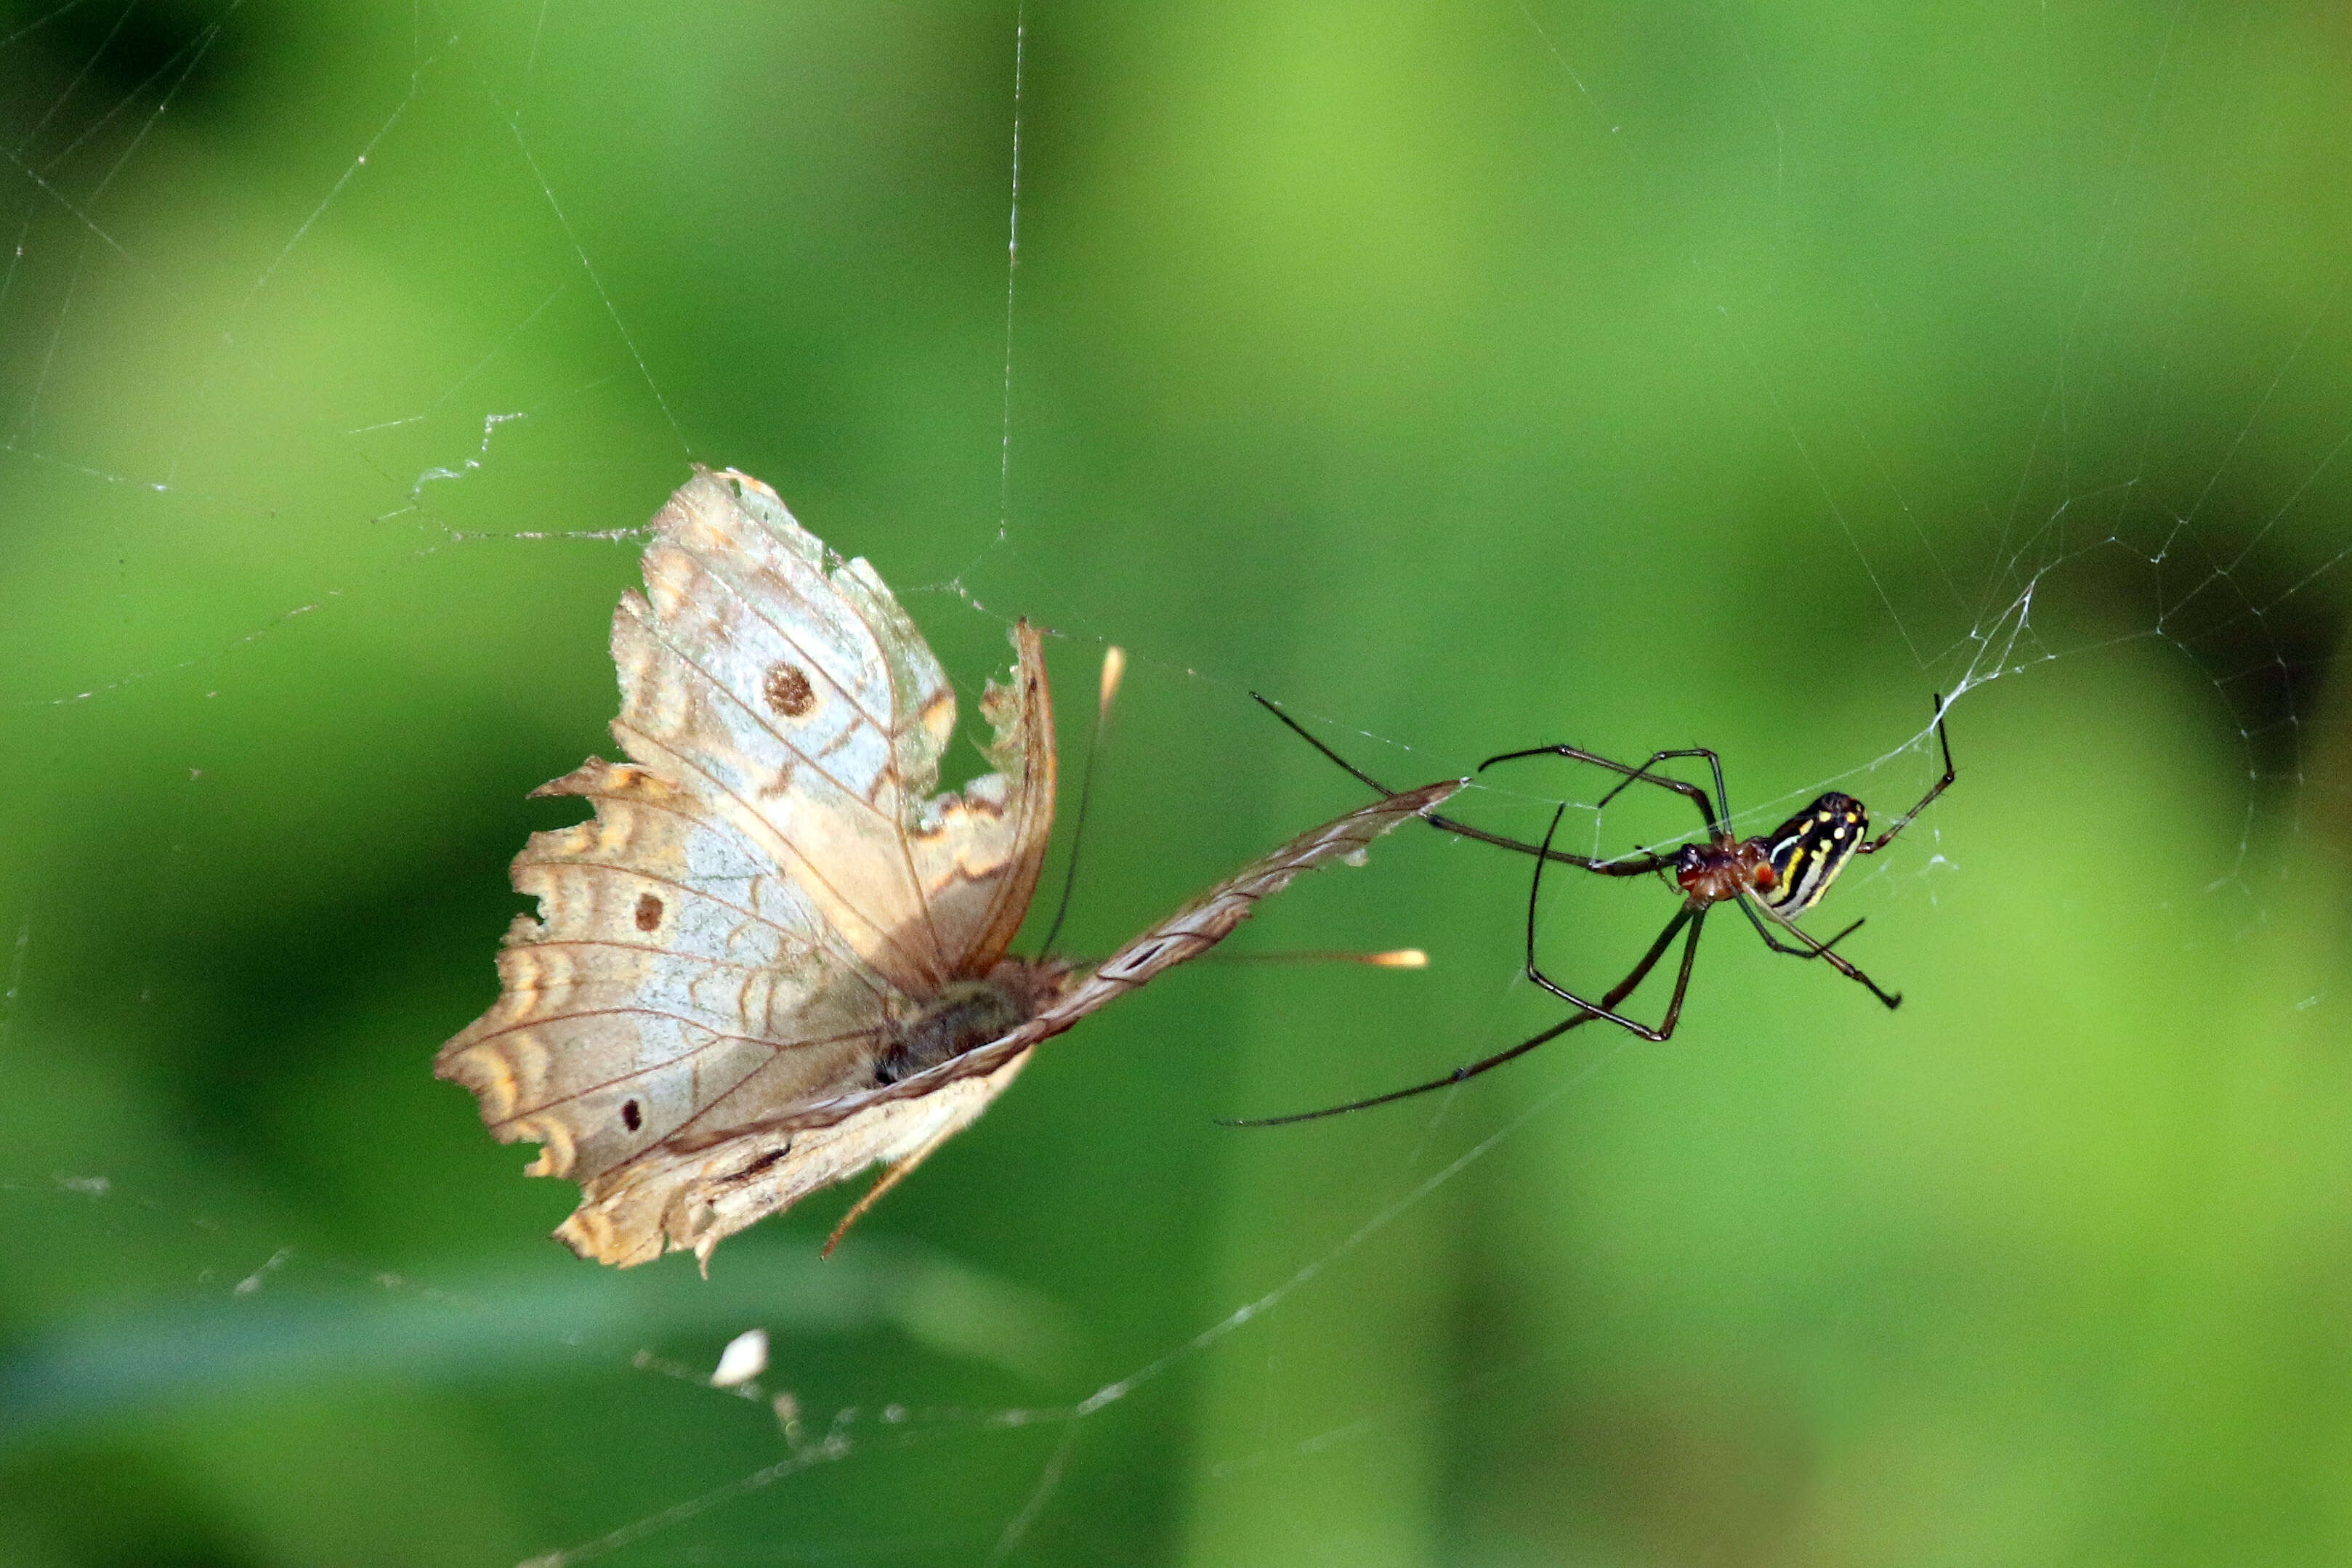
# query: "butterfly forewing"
786,689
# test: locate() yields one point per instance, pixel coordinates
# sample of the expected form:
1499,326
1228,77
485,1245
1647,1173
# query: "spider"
1774,876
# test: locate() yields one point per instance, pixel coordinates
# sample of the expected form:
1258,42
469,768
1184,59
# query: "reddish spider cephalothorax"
1774,876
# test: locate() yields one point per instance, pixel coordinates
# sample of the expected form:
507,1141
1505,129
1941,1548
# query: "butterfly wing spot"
788,691
649,912
631,1117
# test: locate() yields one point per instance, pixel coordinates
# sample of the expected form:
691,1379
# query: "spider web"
1465,379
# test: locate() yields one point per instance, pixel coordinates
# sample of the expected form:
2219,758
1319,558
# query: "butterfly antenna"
1395,958
1114,668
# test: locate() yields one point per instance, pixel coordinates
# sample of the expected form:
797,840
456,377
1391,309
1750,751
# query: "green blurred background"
1468,375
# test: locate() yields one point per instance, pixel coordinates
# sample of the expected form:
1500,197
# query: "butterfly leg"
891,1178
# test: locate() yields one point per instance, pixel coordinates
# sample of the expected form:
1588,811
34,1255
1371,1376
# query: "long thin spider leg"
1616,994
1639,776
1821,950
1351,769
1722,797
1623,988
1685,916
1778,946
1639,865
1682,978
1688,791
1458,1075
1717,824
1488,1064
1631,868
1940,785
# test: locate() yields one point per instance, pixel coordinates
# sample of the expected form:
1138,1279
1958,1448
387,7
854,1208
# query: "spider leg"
1778,946
1457,1076
1940,785
1688,914
1351,769
1636,865
1488,1064
1627,868
1715,823
1690,792
1589,1012
1816,948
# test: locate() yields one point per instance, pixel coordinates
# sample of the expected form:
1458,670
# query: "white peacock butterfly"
772,957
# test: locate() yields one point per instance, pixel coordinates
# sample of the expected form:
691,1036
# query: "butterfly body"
969,1013
773,956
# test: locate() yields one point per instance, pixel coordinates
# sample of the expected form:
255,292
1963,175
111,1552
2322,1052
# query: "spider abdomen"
1806,853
